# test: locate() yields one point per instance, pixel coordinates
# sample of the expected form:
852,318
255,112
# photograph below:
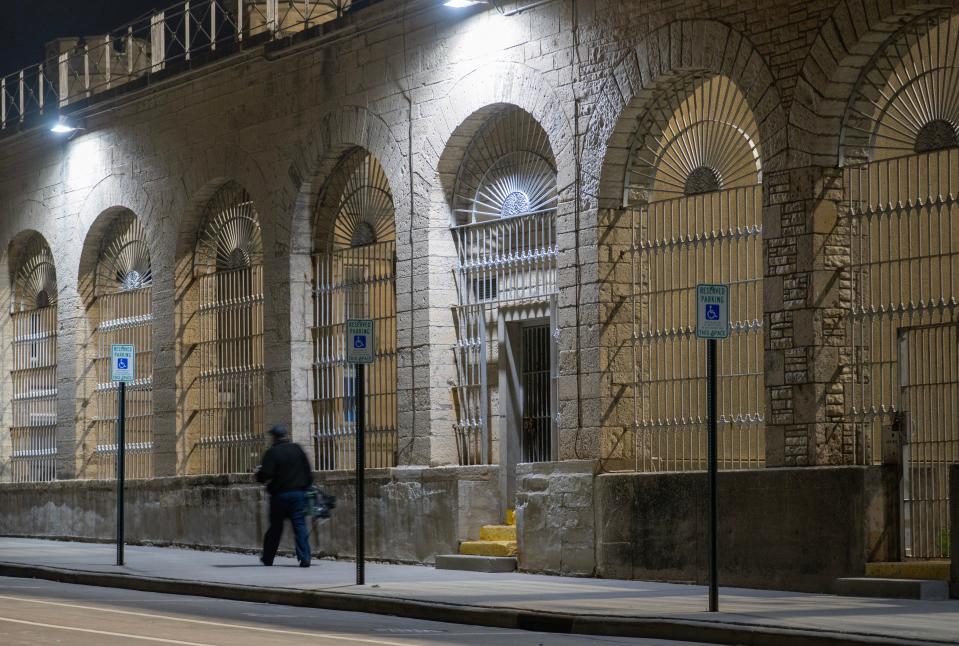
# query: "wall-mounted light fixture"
64,125
462,4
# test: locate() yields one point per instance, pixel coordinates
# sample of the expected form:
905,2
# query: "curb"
649,627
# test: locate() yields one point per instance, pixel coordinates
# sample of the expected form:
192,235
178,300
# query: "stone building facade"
636,122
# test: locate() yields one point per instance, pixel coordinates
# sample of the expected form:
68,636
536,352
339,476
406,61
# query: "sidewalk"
558,604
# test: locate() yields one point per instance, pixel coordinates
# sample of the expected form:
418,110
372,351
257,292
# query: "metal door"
929,387
537,385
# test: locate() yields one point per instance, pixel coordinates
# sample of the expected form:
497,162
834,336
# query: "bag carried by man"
318,504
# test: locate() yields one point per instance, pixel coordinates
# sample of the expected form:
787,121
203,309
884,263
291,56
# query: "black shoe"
263,561
304,564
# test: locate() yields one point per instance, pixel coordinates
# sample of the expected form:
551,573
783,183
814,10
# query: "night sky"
25,25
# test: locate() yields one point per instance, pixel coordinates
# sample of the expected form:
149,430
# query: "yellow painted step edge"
510,516
498,533
488,548
930,570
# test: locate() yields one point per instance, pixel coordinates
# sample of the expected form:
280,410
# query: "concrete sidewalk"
559,604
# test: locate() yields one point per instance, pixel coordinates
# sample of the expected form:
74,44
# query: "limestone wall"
785,529
405,80
412,514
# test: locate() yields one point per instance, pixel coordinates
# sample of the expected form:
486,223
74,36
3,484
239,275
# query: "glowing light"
62,128
460,4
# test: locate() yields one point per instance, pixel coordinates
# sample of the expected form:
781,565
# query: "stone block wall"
402,82
412,514
786,529
954,528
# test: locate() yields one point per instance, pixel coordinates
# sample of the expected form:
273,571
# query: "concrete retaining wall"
791,529
412,514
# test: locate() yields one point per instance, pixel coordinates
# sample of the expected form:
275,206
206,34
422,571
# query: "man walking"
286,471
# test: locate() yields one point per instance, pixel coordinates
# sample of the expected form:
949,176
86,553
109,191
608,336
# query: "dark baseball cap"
278,430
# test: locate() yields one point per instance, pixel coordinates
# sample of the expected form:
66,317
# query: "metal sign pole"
712,323
360,407
713,467
121,459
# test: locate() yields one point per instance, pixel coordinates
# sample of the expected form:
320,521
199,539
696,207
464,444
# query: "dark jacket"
285,468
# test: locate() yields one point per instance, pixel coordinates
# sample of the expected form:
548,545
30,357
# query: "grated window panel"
501,263
125,317
904,223
34,394
680,243
231,370
355,282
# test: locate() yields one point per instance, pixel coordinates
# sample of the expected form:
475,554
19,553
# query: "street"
36,612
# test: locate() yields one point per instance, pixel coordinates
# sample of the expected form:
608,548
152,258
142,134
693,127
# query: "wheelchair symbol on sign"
712,311
123,363
359,342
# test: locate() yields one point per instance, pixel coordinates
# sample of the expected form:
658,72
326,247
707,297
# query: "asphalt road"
35,612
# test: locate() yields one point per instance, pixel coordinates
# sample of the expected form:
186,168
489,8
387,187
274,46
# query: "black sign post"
713,468
712,323
121,463
359,352
360,408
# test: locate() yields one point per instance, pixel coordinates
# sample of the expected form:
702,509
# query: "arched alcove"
354,278
228,272
33,371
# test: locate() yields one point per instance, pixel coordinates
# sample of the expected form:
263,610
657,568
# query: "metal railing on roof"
182,35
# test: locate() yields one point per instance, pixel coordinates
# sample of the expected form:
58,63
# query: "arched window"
354,278
124,314
900,145
694,191
228,262
34,367
504,205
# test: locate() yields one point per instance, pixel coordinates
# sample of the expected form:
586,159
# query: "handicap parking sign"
359,341
122,360
712,311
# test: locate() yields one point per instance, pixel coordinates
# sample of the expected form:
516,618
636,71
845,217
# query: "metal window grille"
354,283
504,263
230,318
34,367
680,243
125,312
901,126
504,228
355,278
695,172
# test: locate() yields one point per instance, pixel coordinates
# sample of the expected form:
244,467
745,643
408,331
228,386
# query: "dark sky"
25,25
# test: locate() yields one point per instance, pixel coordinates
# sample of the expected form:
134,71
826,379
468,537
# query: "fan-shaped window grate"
693,181
906,100
697,136
124,314
354,278
508,170
34,365
231,237
357,204
228,260
899,144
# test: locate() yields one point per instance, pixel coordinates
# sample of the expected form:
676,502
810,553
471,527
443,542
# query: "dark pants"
292,505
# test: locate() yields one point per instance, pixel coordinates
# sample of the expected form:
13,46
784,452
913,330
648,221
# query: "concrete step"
488,548
933,570
498,533
925,589
471,563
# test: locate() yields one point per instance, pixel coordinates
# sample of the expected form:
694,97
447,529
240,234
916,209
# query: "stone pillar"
615,311
806,296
